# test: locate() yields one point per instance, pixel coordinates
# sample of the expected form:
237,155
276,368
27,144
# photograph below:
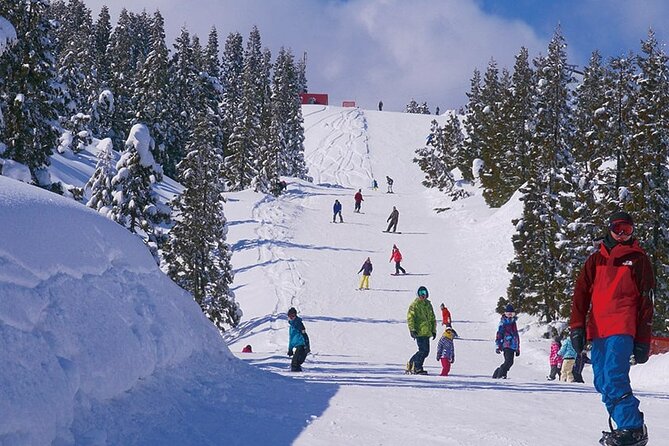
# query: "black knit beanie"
621,216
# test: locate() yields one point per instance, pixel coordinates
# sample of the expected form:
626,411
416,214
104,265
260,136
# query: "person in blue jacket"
336,209
568,360
298,343
507,341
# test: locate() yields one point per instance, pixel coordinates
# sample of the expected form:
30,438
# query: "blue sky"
398,50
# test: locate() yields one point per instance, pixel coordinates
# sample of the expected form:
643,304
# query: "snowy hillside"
100,348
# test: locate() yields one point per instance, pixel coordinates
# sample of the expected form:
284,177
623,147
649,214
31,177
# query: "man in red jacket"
614,295
358,200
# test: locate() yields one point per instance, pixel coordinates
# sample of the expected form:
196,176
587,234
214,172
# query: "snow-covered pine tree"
301,69
135,205
101,35
231,81
520,119
197,255
471,148
30,104
647,170
412,107
152,90
246,139
545,260
100,184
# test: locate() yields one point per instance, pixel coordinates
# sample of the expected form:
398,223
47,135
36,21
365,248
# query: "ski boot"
625,437
420,372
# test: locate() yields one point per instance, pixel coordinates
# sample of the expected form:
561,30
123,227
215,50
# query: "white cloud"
365,50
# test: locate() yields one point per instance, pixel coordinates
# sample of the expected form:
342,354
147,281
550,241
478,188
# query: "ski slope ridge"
360,341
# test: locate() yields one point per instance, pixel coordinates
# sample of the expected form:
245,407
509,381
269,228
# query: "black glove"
290,352
434,336
414,334
517,352
641,352
577,337
498,351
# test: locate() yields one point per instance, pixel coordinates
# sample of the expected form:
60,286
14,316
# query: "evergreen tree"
197,254
647,170
30,104
101,36
520,120
301,69
135,204
231,82
472,146
100,184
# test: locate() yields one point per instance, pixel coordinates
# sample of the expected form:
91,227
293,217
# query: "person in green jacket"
422,324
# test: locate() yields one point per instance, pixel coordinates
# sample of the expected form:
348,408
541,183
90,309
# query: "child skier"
336,209
366,270
568,359
507,341
396,256
446,351
554,359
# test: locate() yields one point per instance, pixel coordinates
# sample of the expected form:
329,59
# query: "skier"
390,184
568,360
393,218
507,341
366,270
614,295
396,256
336,209
298,340
358,200
555,360
446,351
375,184
422,324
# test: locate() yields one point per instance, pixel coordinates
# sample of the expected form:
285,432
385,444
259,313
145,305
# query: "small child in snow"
446,351
555,360
569,358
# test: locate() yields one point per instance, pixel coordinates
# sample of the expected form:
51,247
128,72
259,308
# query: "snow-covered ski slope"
289,253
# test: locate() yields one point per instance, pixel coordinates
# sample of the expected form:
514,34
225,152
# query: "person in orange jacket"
445,315
396,256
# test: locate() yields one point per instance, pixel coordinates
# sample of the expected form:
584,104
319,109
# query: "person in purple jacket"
507,341
366,270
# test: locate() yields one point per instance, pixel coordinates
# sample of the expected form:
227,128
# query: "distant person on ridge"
507,341
396,256
358,200
375,184
612,307
422,324
390,184
380,105
336,209
298,343
393,219
366,270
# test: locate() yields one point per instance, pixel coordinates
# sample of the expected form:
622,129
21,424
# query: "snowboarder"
396,256
298,343
358,200
366,270
614,296
554,360
568,359
390,184
422,324
445,315
507,341
446,351
375,184
336,209
393,218
436,112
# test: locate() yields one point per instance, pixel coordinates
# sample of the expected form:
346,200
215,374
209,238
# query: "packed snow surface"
100,348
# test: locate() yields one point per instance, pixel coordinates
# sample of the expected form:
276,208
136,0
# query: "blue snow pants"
610,359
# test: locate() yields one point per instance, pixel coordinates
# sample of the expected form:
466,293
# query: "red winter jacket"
614,292
358,197
396,255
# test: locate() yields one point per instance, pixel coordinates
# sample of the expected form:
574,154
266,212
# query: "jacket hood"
611,248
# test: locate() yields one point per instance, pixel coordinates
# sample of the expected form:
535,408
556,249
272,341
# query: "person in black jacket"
366,270
393,218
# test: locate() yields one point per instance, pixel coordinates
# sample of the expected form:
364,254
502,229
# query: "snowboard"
389,232
405,274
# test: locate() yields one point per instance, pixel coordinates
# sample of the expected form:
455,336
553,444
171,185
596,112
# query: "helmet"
422,292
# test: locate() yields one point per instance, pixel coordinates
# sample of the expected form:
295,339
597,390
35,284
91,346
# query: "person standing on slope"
393,218
568,355
507,341
366,270
336,210
446,351
358,200
390,184
612,307
298,342
396,256
422,324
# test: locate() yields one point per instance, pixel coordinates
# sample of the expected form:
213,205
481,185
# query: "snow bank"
7,34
